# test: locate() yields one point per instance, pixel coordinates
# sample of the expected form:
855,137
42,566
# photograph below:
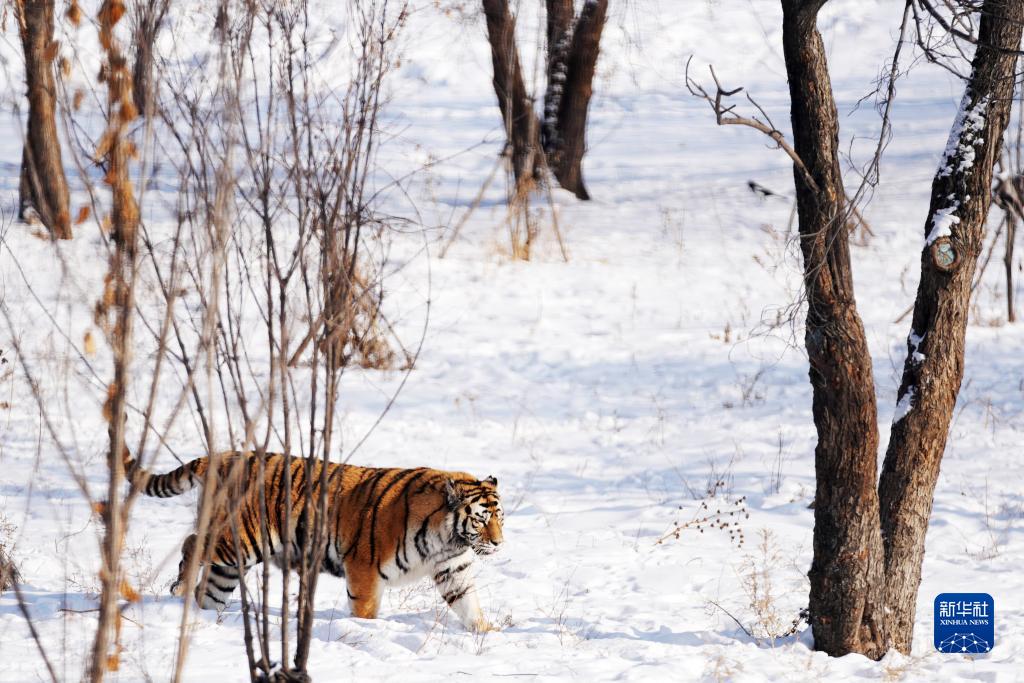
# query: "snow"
964,135
915,344
610,395
942,223
904,405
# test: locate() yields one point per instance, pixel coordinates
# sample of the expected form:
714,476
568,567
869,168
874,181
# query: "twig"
726,115
729,614
97,609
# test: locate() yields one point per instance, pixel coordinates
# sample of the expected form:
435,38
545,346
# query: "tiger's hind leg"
220,583
188,548
364,590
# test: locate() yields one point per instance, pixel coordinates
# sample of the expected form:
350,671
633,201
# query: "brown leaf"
89,342
52,50
74,13
83,214
108,405
129,593
128,112
103,146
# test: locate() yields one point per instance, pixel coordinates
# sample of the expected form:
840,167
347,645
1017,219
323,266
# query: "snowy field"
611,395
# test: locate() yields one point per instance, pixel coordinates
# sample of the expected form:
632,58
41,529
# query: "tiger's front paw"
481,625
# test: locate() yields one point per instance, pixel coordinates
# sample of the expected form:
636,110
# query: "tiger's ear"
451,494
493,481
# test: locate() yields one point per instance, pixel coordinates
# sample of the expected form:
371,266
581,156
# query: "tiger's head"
476,513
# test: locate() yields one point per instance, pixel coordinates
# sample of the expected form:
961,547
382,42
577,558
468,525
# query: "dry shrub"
9,574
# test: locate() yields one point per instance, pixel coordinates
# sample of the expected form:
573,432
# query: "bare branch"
726,115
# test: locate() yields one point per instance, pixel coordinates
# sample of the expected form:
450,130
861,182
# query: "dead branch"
726,115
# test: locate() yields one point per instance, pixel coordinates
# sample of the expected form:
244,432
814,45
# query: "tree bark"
43,186
846,599
559,39
148,18
565,149
515,104
934,366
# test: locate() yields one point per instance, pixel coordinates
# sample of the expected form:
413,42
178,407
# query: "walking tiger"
385,526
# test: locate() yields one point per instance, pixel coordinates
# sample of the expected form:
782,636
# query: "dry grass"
9,574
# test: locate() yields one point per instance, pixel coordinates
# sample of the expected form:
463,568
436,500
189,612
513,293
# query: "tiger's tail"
173,483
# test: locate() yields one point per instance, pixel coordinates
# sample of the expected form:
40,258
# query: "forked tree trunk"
846,575
573,46
515,104
934,366
43,186
868,539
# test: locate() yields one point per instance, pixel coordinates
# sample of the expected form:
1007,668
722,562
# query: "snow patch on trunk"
964,136
942,222
904,405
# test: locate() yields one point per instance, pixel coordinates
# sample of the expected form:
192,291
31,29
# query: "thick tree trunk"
935,360
515,104
846,598
43,186
566,148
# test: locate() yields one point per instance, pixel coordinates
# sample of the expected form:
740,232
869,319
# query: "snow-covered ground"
612,395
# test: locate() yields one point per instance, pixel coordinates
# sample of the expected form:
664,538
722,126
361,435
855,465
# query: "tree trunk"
515,104
934,366
148,18
566,148
43,186
560,16
142,72
847,572
1011,236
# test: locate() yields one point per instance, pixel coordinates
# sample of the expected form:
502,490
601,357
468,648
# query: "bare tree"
934,367
43,186
573,46
291,231
869,533
118,303
846,574
1008,195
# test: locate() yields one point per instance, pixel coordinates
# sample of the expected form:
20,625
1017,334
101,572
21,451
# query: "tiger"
385,527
